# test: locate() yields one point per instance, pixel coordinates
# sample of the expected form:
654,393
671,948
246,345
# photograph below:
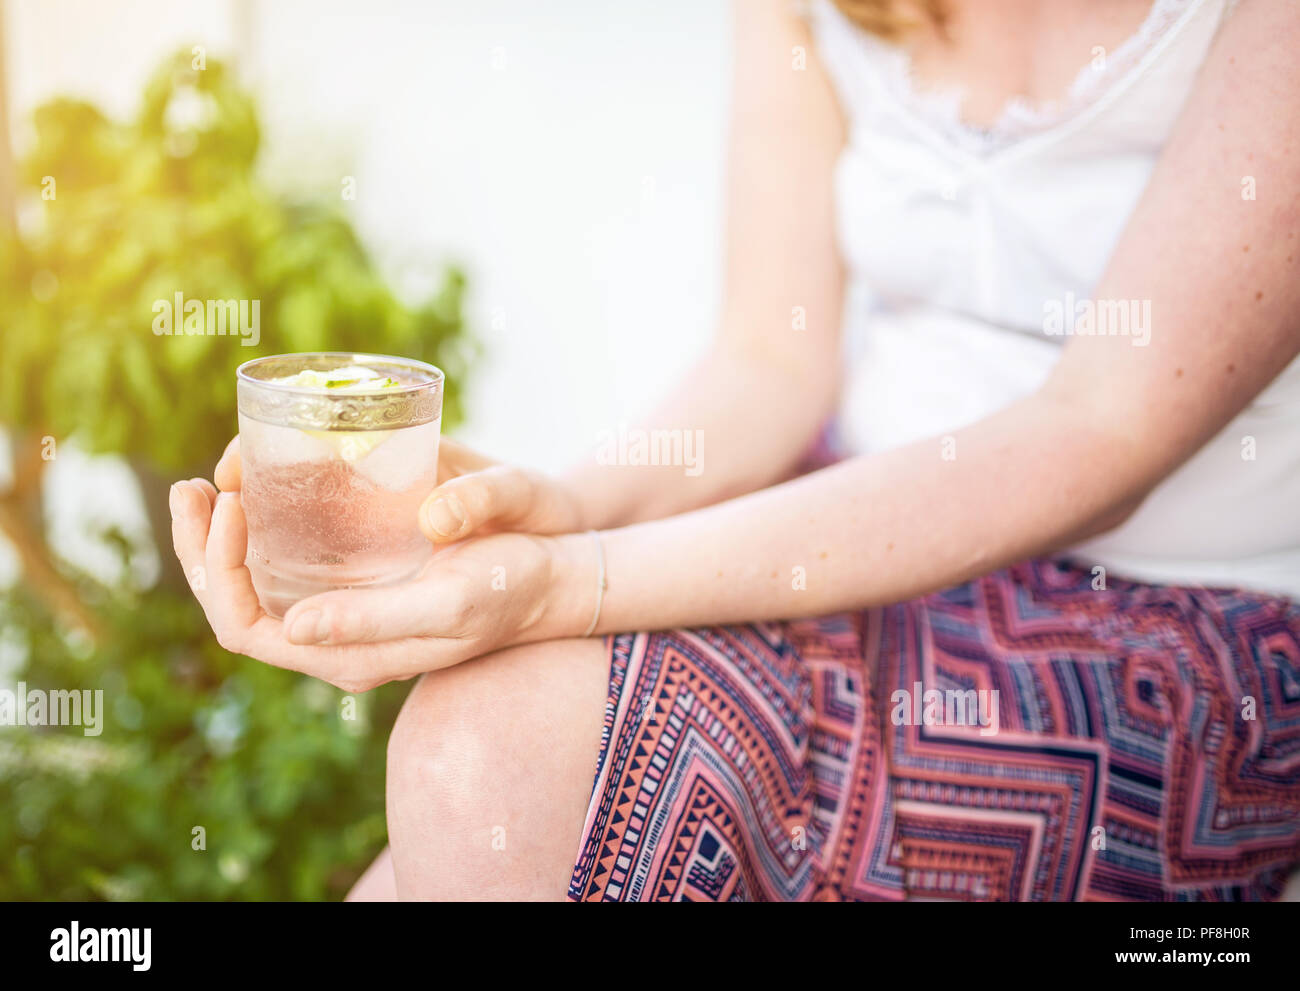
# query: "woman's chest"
993,53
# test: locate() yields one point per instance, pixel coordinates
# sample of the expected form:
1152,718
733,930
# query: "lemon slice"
350,378
350,445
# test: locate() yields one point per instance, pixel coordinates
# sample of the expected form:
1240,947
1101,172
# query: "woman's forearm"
873,530
736,423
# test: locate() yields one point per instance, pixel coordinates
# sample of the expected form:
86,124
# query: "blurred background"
527,195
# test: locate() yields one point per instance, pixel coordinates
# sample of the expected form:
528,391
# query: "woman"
1035,637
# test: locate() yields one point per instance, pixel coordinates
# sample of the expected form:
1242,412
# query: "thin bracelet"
601,583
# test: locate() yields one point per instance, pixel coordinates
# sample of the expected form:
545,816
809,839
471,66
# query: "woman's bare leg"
490,769
378,883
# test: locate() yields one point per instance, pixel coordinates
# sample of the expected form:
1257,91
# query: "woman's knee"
463,722
490,765
436,744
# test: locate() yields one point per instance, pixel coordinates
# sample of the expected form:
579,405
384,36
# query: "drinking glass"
335,464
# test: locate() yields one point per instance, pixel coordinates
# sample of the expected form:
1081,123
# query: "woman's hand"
472,598
475,496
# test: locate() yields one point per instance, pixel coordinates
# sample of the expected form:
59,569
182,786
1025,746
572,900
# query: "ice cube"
270,444
409,455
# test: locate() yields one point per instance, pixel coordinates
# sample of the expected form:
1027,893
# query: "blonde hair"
892,19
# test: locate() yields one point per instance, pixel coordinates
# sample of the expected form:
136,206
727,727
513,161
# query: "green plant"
131,214
287,789
119,216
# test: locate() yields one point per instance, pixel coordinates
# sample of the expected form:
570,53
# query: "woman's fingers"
191,514
231,602
210,538
455,459
500,498
208,490
371,615
229,471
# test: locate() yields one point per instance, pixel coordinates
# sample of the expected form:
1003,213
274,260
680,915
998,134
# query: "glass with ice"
337,453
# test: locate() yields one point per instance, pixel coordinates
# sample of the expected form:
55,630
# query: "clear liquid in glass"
329,509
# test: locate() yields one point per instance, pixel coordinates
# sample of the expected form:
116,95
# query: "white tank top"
955,237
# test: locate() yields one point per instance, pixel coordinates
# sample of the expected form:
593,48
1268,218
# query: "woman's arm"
1223,277
1069,462
762,391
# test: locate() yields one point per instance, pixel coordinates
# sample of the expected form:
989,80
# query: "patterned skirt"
1025,736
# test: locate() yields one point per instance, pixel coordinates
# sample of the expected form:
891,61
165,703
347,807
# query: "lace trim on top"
1020,117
